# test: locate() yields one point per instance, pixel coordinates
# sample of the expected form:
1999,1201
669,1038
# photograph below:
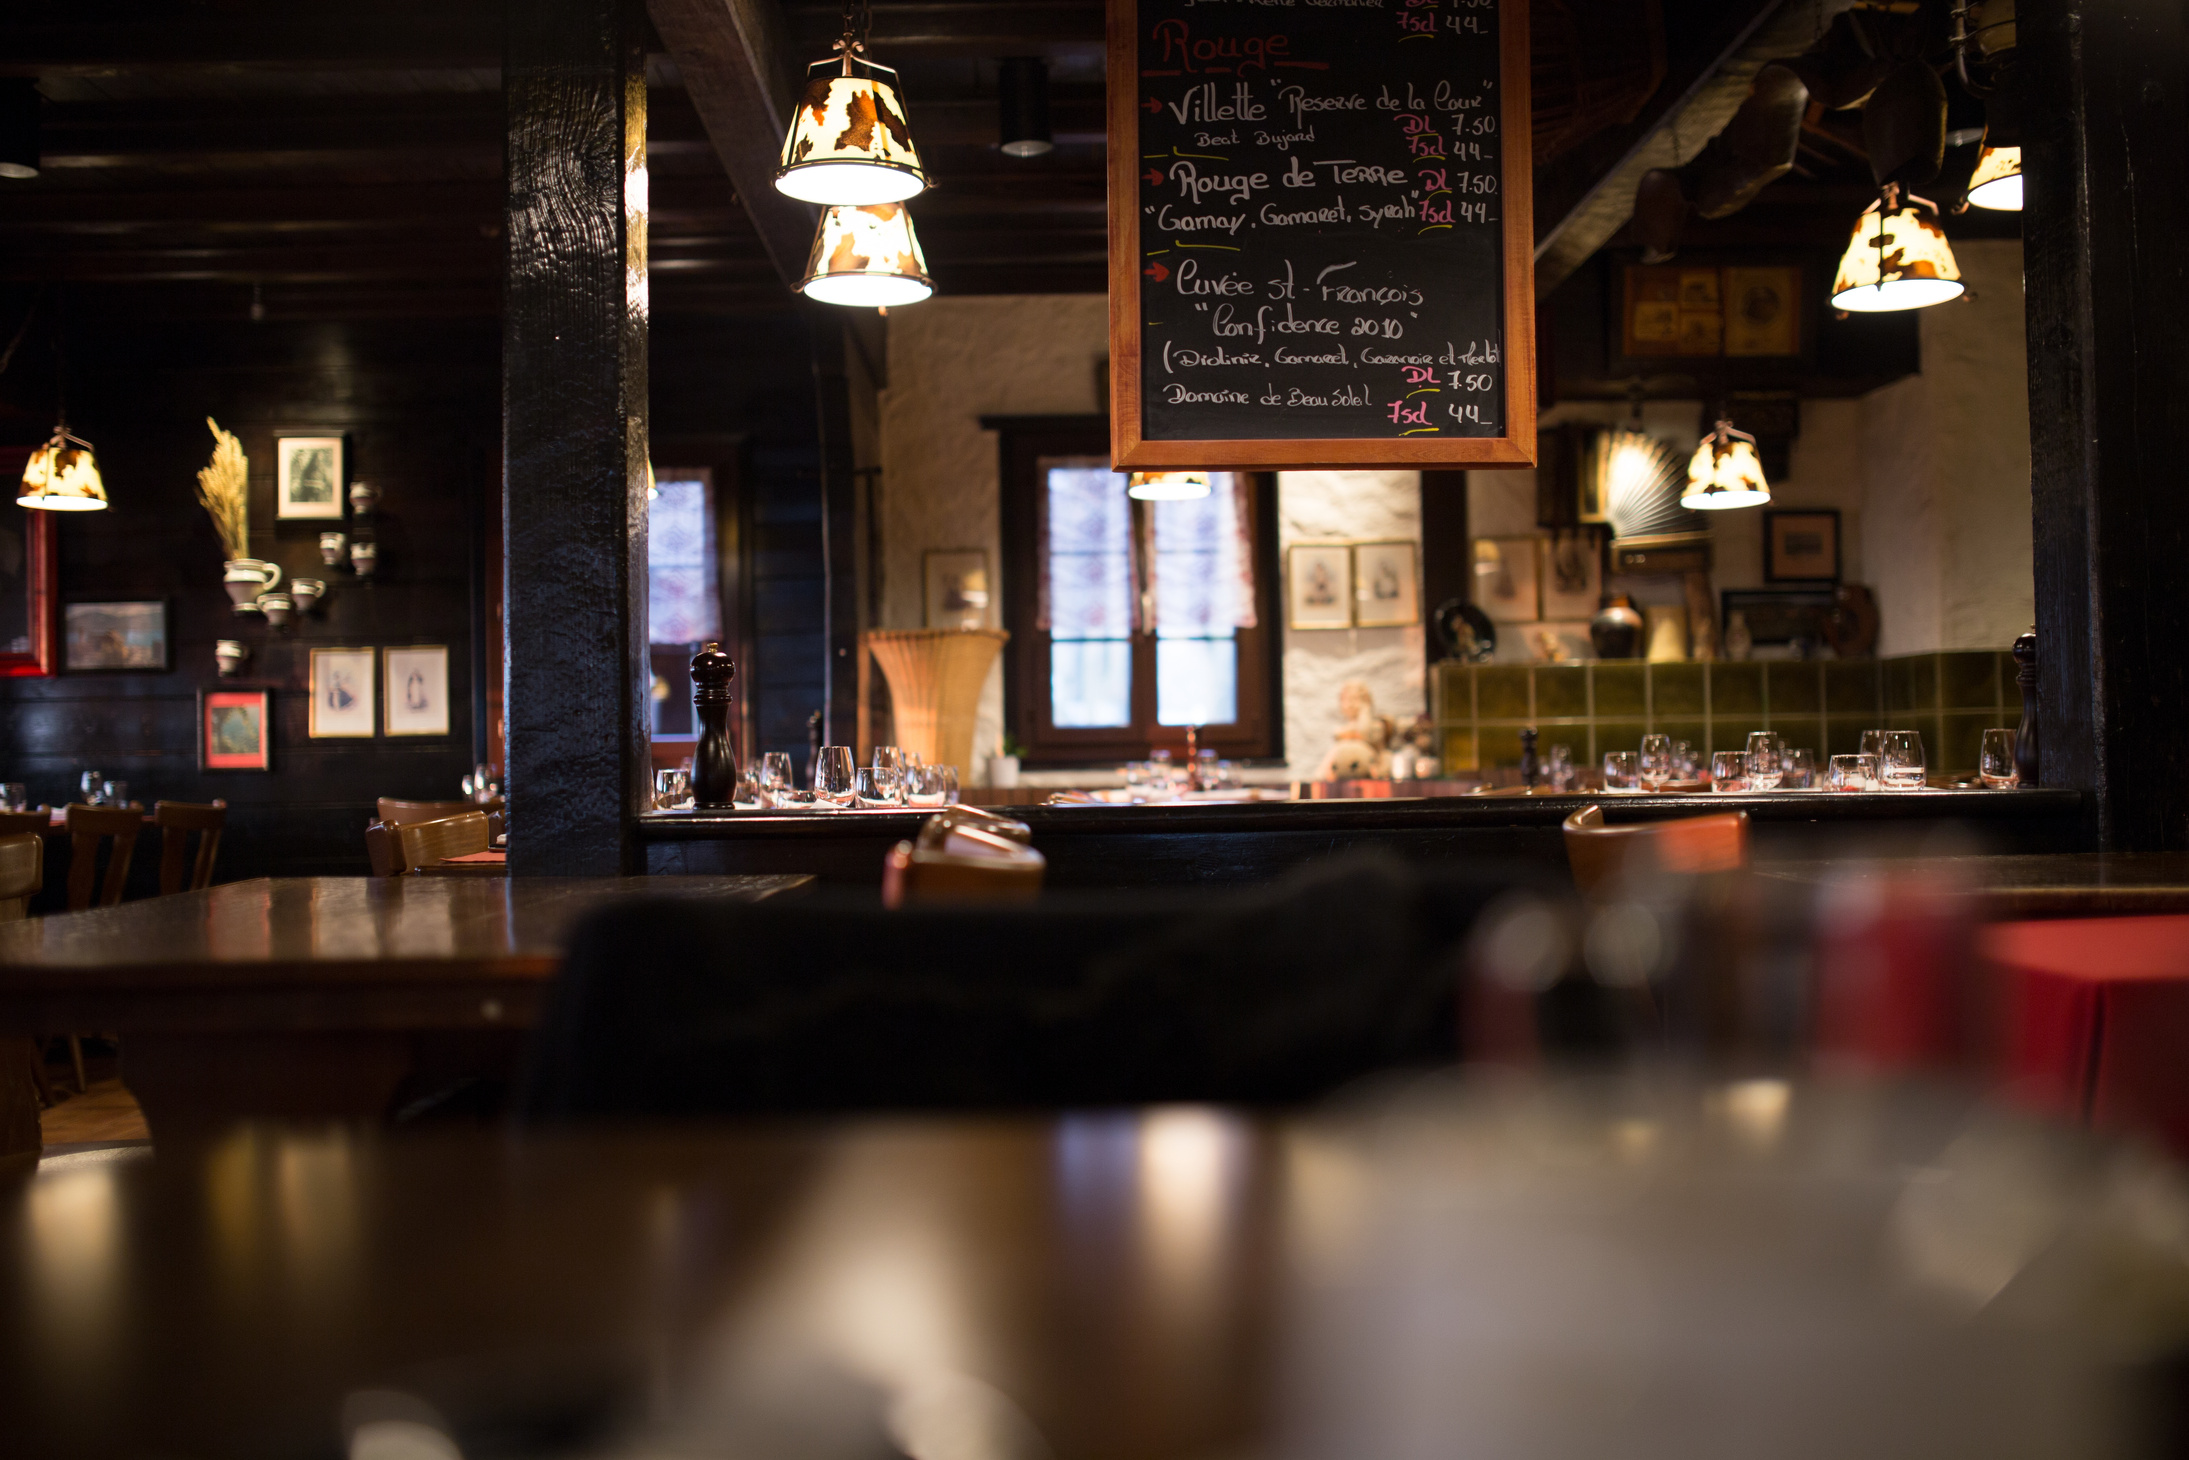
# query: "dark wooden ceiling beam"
977,28
84,39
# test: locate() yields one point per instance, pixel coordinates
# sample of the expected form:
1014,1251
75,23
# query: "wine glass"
1873,743
1685,766
1656,761
1766,760
671,788
775,776
833,781
889,769
1729,770
1561,767
1996,761
947,777
1801,771
1852,773
1902,761
1622,770
89,786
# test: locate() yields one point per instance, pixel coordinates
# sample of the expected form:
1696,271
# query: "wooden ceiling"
205,157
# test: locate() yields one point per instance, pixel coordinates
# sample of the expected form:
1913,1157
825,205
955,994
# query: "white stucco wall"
1337,506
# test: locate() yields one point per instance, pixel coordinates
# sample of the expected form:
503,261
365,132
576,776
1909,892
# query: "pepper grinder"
714,765
2025,737
1531,766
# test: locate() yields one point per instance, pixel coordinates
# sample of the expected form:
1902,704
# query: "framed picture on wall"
417,689
1319,586
308,478
956,582
1572,576
235,729
1386,585
342,695
1506,587
127,635
1801,546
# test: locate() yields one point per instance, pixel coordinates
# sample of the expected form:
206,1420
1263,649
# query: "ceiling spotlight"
1997,181
1725,472
18,128
1167,486
1898,258
1023,88
849,142
867,257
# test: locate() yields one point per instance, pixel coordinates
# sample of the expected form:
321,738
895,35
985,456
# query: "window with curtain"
683,590
1142,618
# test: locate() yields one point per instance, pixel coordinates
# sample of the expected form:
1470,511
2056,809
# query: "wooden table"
1662,1272
2045,885
309,996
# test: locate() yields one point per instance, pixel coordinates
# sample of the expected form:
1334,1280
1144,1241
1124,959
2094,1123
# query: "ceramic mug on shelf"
306,592
333,547
364,557
247,578
363,497
276,607
231,653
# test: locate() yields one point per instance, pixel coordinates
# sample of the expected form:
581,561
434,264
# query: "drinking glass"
1656,761
1995,764
948,776
89,787
1801,771
924,785
1766,760
833,782
14,796
1729,771
1622,770
1561,767
114,793
1902,761
1873,742
1852,773
1685,765
671,788
775,775
747,792
889,769
874,789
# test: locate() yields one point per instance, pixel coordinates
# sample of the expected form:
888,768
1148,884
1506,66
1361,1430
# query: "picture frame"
235,729
414,689
1801,545
343,705
956,588
1506,585
1778,615
108,636
1572,575
1319,586
309,477
1386,584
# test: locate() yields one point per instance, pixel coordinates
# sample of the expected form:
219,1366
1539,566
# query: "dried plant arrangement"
225,493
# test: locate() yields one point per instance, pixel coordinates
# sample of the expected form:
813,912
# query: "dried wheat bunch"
224,491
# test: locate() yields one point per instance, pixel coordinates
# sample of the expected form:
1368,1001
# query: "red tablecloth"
2096,1021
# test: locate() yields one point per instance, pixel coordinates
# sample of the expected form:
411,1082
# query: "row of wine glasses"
1890,760
896,778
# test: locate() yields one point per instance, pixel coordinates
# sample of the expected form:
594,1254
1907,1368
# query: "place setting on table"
1889,760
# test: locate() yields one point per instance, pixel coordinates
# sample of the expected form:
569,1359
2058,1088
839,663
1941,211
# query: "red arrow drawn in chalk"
1151,106
1157,272
1154,177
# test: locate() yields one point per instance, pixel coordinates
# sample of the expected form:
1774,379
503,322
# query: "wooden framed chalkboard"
1321,247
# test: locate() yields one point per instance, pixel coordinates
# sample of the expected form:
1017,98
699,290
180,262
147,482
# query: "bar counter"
1136,846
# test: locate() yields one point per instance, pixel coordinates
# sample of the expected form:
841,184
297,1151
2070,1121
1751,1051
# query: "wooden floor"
103,1114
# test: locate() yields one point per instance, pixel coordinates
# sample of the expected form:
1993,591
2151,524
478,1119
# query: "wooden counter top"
2051,885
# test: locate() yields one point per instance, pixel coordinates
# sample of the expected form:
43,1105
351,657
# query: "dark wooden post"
2103,109
839,528
574,435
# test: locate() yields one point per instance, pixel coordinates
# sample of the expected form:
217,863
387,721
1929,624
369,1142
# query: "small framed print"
1386,585
129,635
342,695
1506,586
235,729
416,699
1801,545
1572,575
1319,586
308,478
957,587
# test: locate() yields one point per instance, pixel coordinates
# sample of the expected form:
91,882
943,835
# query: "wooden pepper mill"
714,763
2025,737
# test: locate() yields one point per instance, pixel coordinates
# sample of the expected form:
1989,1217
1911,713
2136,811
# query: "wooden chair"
404,813
16,823
380,849
965,853
87,827
1599,855
22,1070
176,820
420,843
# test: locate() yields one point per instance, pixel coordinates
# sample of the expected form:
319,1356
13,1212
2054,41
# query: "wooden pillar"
574,435
840,529
2106,269
1447,554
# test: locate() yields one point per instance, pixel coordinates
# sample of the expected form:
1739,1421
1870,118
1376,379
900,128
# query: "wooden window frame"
1023,442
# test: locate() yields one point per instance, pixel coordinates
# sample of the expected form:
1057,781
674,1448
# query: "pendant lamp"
1997,181
1898,258
18,128
1022,117
1725,472
849,143
62,476
867,257
1167,486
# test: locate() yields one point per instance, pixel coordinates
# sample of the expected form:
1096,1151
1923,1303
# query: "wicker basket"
935,678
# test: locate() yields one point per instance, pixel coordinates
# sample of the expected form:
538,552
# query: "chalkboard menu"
1320,238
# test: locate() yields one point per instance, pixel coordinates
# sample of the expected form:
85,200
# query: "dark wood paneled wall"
2105,103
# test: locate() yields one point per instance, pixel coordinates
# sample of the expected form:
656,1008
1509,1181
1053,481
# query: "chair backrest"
421,843
87,826
1600,854
22,873
981,858
176,820
15,823
404,813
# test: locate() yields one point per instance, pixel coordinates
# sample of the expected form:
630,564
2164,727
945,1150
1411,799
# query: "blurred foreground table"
308,996
1671,1271
2038,885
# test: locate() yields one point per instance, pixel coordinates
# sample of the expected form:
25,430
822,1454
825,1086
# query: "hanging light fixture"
62,476
18,128
849,143
1725,472
1898,258
1167,486
867,257
1022,94
1997,181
